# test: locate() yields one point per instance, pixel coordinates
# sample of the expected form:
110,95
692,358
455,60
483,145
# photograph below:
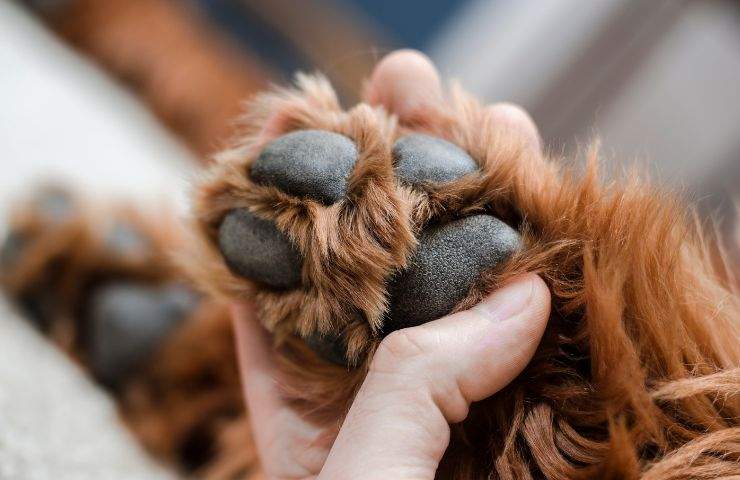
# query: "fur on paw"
95,279
346,225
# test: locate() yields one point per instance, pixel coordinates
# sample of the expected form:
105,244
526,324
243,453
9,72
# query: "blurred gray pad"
125,239
423,159
254,248
307,163
55,204
446,264
329,347
12,248
128,321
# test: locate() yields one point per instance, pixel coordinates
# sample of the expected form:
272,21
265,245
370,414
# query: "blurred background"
123,99
126,95
132,92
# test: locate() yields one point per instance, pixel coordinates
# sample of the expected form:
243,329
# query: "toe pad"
307,163
448,261
421,159
12,248
128,321
55,204
254,248
329,347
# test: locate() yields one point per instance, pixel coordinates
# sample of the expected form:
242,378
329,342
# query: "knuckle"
399,349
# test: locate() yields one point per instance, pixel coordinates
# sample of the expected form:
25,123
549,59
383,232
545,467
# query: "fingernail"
509,300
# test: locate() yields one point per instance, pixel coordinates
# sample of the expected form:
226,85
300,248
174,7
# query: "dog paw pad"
423,159
55,204
12,248
128,321
307,163
330,347
447,262
254,248
125,239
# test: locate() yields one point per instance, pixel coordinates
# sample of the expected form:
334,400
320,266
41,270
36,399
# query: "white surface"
54,424
62,118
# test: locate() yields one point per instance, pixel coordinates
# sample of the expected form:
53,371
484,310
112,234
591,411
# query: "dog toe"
421,159
128,321
254,248
307,163
446,264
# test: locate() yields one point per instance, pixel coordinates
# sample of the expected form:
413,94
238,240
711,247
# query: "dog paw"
346,227
450,256
96,281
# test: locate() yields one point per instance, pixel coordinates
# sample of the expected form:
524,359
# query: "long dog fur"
638,373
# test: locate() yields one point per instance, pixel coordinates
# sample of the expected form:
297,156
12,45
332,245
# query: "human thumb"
423,378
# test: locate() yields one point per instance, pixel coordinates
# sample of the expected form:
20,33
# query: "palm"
291,448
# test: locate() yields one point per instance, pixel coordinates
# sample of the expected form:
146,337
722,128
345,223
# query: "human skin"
421,379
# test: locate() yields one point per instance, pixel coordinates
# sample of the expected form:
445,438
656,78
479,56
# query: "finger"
286,443
256,364
258,373
423,378
406,83
515,121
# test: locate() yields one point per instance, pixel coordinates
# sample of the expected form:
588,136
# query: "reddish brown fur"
638,373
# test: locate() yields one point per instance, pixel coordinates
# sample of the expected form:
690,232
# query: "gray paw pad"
125,239
55,204
12,248
307,163
329,347
423,159
448,261
127,323
254,248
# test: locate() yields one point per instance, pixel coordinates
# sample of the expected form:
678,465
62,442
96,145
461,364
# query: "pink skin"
422,378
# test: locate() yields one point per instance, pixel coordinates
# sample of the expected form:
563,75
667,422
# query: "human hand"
421,379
